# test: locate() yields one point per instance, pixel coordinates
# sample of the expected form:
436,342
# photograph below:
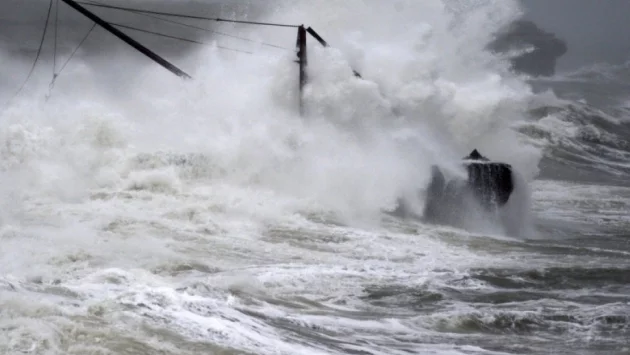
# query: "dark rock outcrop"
491,182
523,34
451,200
489,185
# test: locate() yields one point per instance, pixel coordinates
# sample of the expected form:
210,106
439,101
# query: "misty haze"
441,177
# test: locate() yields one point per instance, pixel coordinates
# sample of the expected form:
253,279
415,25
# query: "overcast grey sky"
21,22
596,30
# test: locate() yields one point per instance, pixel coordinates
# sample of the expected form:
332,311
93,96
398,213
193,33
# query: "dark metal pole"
303,61
319,39
144,50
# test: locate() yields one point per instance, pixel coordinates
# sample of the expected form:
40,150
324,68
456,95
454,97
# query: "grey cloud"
595,30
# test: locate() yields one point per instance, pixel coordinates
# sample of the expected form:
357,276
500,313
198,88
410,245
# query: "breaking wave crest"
141,214
430,96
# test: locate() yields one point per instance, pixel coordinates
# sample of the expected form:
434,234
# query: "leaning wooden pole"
302,61
113,30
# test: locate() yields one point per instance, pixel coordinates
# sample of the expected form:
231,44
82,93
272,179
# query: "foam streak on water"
142,214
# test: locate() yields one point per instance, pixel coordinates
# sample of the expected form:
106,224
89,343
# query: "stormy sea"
141,213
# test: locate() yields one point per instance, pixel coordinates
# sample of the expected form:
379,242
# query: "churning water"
143,214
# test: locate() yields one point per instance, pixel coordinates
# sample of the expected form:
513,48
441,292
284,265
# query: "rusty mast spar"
116,32
301,43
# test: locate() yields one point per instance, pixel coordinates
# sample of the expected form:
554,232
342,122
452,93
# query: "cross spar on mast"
113,30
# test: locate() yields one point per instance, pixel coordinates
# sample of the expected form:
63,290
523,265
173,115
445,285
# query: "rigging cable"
215,32
77,48
56,27
52,83
212,31
141,13
174,37
54,66
39,51
217,19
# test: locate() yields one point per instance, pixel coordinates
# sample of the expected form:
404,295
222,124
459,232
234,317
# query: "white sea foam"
142,213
